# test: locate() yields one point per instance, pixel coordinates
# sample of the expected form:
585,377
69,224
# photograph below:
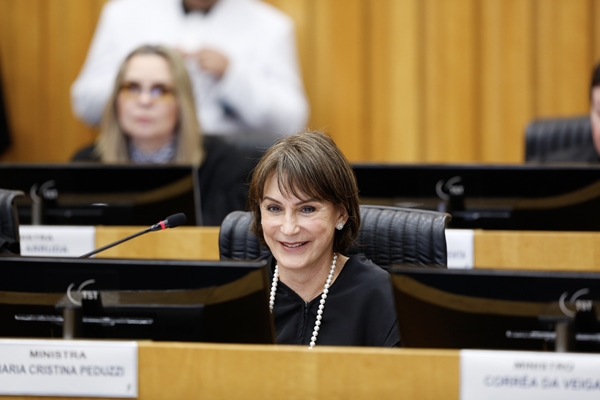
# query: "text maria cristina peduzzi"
41,368
68,370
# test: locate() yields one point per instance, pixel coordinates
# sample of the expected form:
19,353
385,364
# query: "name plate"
520,375
68,368
459,243
56,241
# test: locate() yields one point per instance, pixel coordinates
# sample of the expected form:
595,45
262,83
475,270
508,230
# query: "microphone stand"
108,246
171,221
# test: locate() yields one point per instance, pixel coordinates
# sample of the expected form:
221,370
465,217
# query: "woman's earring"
339,226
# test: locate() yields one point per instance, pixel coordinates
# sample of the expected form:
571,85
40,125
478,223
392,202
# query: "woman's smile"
293,245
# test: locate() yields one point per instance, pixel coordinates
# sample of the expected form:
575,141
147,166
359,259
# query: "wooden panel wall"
42,47
507,77
390,80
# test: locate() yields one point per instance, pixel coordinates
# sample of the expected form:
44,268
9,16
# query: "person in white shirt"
241,55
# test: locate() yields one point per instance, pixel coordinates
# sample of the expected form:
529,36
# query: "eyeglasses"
159,92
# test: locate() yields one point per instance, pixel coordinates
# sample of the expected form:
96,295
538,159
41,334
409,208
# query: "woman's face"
299,231
146,105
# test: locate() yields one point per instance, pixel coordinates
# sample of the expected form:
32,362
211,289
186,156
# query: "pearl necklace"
315,333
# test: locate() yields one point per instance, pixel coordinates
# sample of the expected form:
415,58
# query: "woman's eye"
133,88
159,91
308,209
273,208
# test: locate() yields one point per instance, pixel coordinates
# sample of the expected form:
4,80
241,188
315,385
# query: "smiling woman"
305,202
150,118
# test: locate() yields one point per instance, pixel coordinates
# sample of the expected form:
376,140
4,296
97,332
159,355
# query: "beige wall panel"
507,80
6,64
63,132
450,80
390,80
563,56
595,21
338,70
395,80
44,44
23,24
74,23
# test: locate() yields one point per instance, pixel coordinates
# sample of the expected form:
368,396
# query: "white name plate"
459,243
520,375
56,241
68,368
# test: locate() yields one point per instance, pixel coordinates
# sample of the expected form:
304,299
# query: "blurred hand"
211,61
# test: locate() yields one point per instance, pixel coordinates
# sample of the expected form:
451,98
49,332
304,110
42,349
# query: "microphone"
172,221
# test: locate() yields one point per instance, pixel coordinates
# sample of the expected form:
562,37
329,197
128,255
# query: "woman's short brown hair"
308,164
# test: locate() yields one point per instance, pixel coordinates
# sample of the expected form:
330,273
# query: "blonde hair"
111,145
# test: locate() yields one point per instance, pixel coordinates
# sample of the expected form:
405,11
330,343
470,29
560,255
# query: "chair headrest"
545,136
235,239
9,222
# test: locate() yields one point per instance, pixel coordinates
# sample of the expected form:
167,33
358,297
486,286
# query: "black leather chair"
544,136
388,235
9,222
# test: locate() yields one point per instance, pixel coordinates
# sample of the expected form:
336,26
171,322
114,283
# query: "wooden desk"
571,251
493,249
214,371
183,243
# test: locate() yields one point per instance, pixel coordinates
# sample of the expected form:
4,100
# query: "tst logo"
571,306
451,187
84,294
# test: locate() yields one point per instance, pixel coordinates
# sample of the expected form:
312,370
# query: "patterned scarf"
164,155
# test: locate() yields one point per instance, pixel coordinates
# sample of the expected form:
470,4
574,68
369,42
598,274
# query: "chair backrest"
388,235
9,222
544,136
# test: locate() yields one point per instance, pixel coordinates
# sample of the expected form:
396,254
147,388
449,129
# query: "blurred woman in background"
151,119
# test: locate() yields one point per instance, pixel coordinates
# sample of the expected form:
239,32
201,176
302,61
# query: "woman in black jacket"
150,118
